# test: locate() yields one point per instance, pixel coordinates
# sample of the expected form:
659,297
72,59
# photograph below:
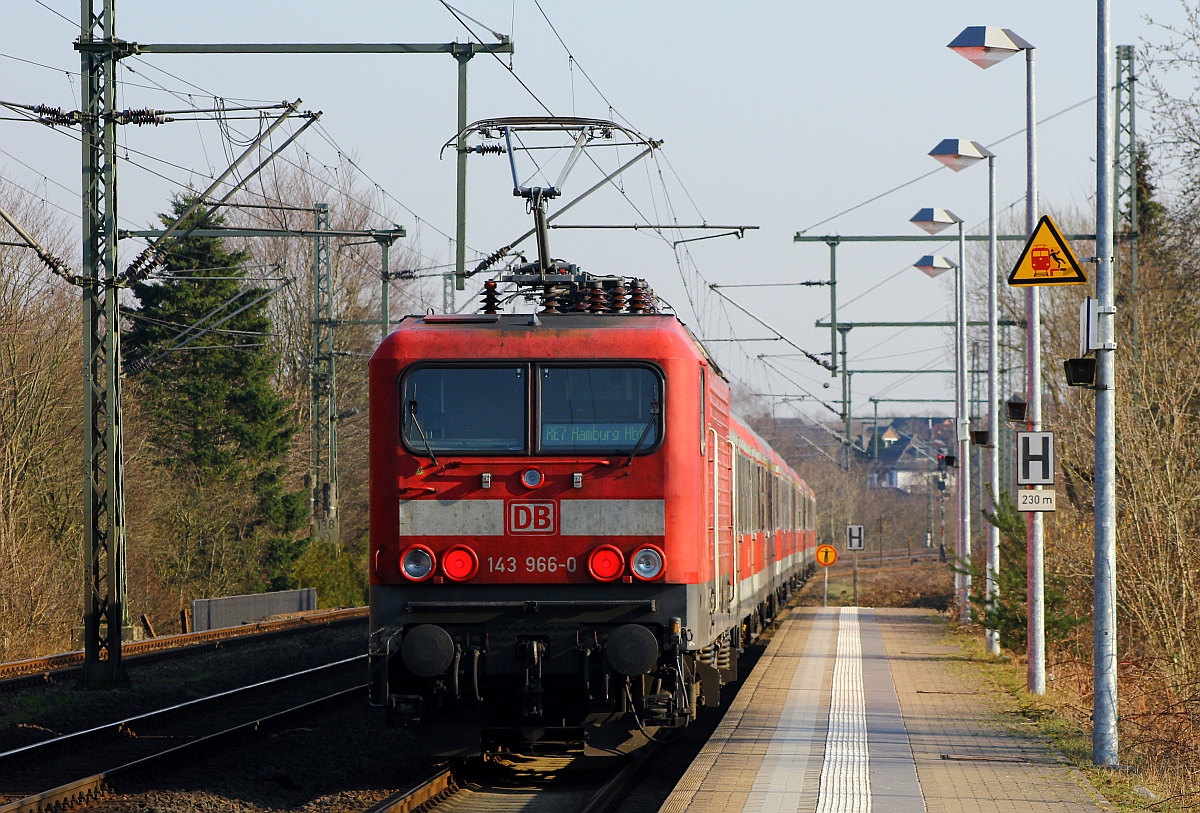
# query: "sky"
778,115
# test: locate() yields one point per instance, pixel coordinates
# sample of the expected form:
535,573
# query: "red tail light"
606,563
460,563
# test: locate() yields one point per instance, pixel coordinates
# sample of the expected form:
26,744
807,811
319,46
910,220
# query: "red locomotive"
571,534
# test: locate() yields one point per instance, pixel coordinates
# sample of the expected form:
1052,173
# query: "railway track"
563,784
76,767
525,784
54,668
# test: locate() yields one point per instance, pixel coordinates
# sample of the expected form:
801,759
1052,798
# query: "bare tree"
40,449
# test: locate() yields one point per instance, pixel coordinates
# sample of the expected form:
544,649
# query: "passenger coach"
571,535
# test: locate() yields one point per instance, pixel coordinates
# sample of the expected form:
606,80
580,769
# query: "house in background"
904,453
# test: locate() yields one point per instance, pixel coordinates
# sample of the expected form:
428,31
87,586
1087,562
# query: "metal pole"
385,305
942,526
103,490
975,400
324,386
1104,617
846,394
833,244
875,437
1134,223
963,437
993,419
1125,163
460,233
855,578
825,598
1035,678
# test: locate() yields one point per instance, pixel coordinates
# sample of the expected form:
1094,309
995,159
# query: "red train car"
571,534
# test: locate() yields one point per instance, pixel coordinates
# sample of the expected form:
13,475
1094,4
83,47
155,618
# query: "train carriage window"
703,415
465,409
600,409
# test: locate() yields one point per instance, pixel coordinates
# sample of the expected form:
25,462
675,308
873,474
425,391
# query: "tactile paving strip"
846,774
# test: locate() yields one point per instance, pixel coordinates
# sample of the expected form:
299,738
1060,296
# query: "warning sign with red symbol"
1047,259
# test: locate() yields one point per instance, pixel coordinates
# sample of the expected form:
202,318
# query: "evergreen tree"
216,416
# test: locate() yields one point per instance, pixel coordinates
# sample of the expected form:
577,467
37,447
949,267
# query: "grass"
1060,717
925,583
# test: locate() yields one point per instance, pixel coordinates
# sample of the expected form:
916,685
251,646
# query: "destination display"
596,435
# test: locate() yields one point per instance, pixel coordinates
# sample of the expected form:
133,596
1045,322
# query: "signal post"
856,541
826,556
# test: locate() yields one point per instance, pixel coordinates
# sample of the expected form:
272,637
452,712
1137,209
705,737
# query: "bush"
339,576
1007,614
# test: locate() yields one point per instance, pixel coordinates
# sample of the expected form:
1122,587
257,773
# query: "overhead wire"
922,177
682,257
324,134
496,56
73,23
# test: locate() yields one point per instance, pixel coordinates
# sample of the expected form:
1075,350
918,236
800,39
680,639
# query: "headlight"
648,563
417,563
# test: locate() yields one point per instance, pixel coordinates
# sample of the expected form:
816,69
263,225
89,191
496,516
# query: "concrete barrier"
231,611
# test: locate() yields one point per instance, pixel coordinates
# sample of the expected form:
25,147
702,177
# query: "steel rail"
429,793
118,725
432,789
52,667
93,786
618,787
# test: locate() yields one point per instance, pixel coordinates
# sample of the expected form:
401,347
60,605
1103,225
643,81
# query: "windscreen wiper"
412,415
649,424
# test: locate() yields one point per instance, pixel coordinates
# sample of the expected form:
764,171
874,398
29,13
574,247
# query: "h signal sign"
1035,458
854,537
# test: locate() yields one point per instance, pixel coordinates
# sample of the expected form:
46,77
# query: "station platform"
856,710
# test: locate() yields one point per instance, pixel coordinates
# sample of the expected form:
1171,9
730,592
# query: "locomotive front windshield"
599,409
466,409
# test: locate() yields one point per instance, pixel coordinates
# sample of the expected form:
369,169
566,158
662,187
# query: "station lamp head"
958,153
1016,408
1080,372
934,265
985,45
934,220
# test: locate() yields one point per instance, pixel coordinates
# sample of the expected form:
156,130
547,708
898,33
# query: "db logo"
531,518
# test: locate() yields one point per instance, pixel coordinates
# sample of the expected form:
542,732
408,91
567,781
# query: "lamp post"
959,154
985,46
1104,621
933,221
